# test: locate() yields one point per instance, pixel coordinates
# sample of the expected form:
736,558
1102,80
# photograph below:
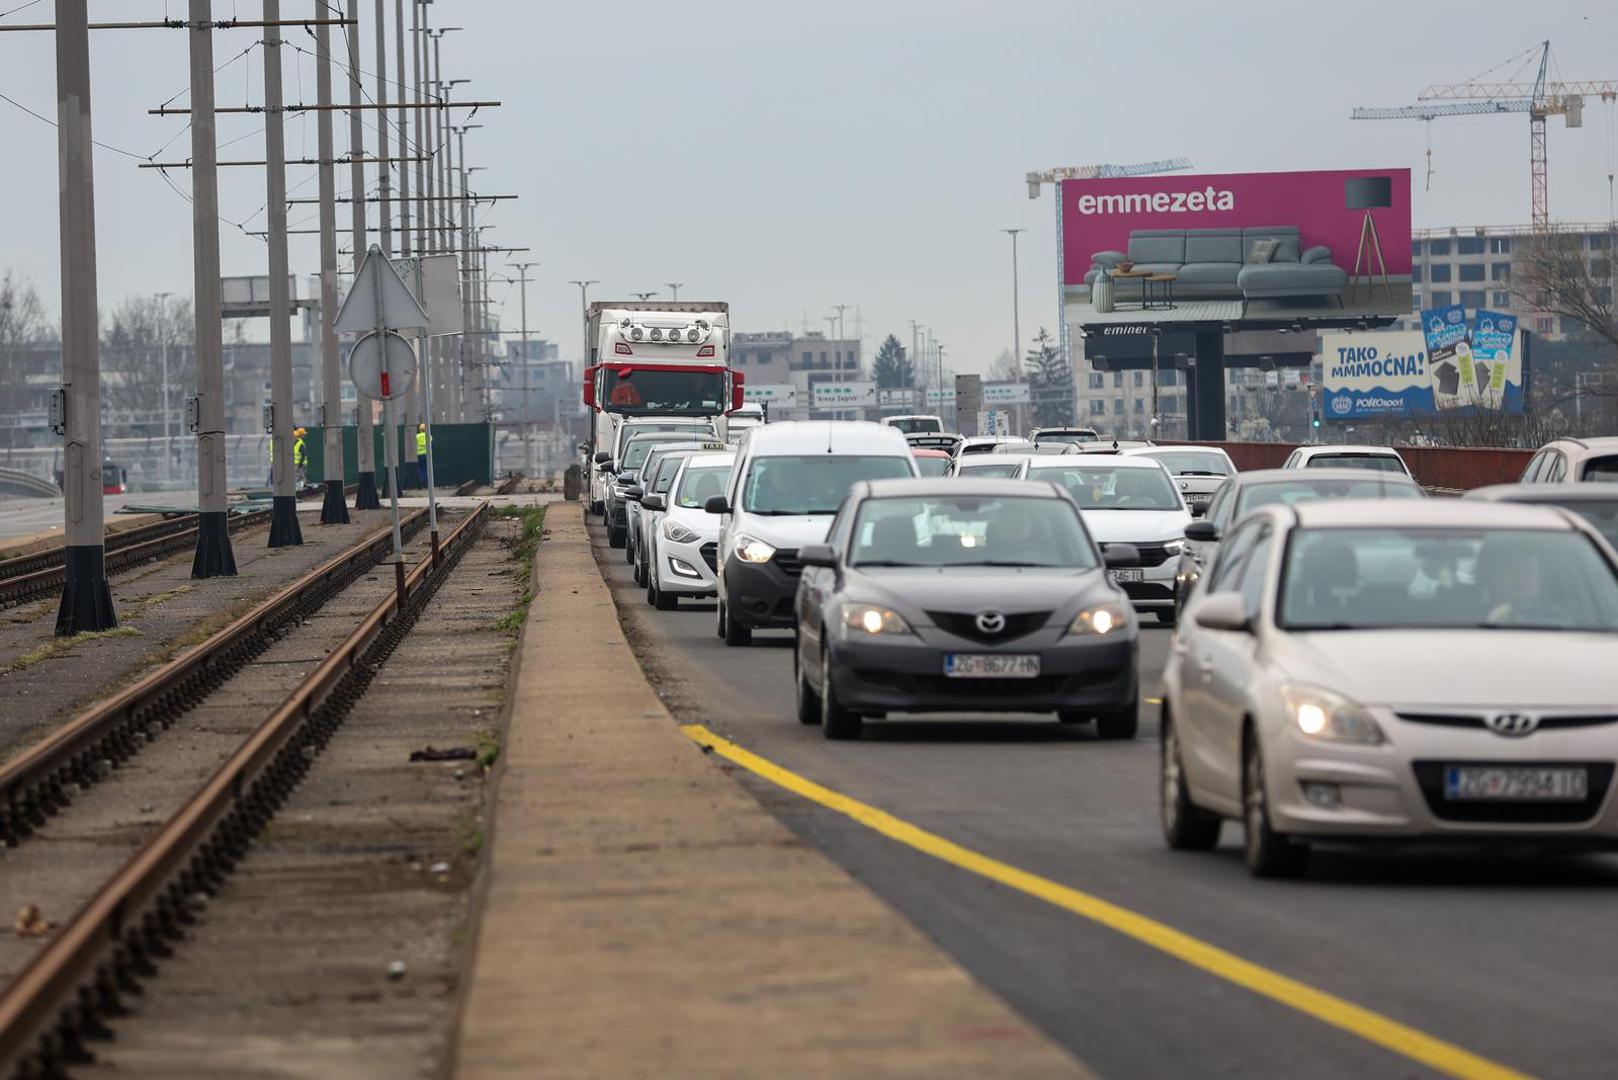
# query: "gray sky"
788,157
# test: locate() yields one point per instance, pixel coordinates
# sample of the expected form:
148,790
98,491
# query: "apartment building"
778,358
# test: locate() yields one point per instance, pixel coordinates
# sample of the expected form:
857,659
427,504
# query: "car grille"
1146,590
710,555
965,625
1154,554
787,560
1476,720
1430,778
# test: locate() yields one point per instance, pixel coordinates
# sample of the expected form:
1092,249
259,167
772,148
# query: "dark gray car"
1249,490
939,595
1596,503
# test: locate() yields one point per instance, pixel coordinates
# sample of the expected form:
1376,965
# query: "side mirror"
1223,611
653,502
817,555
634,492
1120,556
603,457
717,504
1202,531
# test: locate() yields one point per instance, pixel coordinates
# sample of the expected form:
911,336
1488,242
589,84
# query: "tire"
617,538
1168,616
836,722
1119,723
1186,826
1269,854
733,632
661,600
808,700
597,508
629,546
719,610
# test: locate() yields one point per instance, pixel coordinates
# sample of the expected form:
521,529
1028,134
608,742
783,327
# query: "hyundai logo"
991,622
1511,723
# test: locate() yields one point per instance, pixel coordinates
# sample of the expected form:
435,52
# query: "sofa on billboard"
1261,262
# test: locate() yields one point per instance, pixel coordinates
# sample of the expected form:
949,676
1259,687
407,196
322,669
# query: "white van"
788,481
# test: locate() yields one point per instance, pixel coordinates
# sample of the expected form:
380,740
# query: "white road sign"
379,297
847,395
935,396
440,291
370,377
772,393
1008,393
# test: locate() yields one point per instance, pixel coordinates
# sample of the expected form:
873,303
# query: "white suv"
1574,460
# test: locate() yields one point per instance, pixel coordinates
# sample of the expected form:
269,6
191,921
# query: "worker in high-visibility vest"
300,456
421,453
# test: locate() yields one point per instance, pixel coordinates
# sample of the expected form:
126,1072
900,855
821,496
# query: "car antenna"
828,436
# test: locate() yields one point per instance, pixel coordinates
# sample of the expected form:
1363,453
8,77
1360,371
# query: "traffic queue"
1351,660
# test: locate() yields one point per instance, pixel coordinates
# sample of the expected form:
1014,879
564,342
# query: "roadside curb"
646,916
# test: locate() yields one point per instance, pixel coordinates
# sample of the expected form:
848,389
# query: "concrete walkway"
646,917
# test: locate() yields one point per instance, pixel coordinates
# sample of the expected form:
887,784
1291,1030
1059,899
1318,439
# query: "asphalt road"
1508,957
24,517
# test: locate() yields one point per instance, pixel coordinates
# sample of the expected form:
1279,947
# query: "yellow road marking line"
1154,701
1384,1031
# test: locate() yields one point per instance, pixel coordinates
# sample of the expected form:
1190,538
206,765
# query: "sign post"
436,281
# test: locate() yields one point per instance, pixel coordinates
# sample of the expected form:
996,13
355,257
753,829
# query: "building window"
1117,406
1140,405
1098,407
1438,247
1542,325
1098,380
1140,378
808,359
1440,299
1469,245
1472,272
1415,249
1170,405
1500,245
1601,269
761,358
823,361
1441,273
1500,272
1415,274
1117,379
1415,301
1169,377
1474,299
1598,242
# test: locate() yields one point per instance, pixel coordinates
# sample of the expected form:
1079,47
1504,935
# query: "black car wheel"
629,546
661,600
617,538
1269,853
836,722
734,632
808,700
1186,826
1121,723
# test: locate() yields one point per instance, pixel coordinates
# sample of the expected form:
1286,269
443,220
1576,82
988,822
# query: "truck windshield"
638,391
917,425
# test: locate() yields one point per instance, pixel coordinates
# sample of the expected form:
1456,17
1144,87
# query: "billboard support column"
1205,397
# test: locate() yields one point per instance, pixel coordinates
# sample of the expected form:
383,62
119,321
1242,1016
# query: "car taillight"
623,350
706,350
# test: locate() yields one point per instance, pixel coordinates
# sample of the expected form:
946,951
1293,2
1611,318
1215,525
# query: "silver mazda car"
963,596
1396,670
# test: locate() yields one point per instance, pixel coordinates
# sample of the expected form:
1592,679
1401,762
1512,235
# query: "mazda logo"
991,622
1511,723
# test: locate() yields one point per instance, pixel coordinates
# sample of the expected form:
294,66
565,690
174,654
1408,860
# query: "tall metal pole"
916,366
284,530
426,347
674,289
163,348
333,508
527,426
86,600
365,498
468,279
214,556
409,407
1016,326
384,177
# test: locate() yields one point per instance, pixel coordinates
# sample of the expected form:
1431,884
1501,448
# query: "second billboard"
1237,247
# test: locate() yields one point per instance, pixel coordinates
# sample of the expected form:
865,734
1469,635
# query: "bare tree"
132,343
1554,275
23,323
1005,368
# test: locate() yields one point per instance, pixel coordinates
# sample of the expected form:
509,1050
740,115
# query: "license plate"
1198,496
1127,575
991,666
1515,784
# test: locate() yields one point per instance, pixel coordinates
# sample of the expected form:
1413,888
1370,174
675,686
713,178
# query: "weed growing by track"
523,551
58,646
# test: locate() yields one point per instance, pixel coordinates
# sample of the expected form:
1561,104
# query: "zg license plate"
1515,784
1198,496
991,666
1130,574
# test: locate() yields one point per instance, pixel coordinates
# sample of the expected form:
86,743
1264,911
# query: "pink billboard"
1237,247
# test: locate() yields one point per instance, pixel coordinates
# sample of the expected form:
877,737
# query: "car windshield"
1305,489
634,391
1603,515
1105,486
932,466
913,424
636,452
700,485
667,468
1367,579
1192,462
999,470
970,531
1373,462
1074,437
813,483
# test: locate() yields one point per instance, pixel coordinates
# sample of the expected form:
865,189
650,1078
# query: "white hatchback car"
1199,470
1395,670
1346,456
1126,500
683,543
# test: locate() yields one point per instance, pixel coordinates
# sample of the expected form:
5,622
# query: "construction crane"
1094,172
1539,99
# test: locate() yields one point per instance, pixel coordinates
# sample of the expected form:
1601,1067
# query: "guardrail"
1455,467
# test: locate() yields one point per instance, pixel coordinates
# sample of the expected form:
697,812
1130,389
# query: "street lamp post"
1016,326
674,289
527,437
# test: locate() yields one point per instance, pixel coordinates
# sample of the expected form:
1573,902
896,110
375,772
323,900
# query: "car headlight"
1100,620
749,549
1174,547
679,534
874,620
1323,714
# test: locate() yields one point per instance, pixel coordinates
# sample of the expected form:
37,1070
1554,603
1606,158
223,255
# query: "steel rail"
36,782
53,556
75,981
508,485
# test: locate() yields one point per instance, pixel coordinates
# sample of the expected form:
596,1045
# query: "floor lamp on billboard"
1368,193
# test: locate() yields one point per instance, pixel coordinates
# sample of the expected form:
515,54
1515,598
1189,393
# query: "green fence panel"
461,452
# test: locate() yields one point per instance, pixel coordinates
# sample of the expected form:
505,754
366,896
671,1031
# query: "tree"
22,323
1005,368
132,344
1050,382
892,367
1553,275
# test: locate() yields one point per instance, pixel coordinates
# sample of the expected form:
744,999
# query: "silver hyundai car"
1396,670
939,595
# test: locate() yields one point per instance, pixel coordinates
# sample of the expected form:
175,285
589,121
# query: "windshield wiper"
863,563
1005,562
1199,472
789,513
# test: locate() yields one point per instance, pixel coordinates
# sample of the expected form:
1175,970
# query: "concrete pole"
409,406
214,556
425,346
1016,326
284,530
384,177
527,404
86,600
333,508
365,498
468,277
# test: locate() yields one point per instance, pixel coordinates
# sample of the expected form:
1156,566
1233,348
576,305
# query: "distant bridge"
19,484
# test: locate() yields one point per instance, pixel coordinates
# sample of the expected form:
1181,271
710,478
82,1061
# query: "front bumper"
905,673
762,595
1155,590
690,557
1396,790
